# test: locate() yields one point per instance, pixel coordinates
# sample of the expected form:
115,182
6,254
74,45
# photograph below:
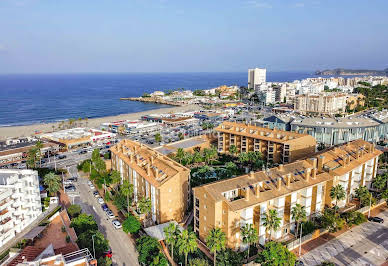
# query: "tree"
365,197
86,166
158,138
215,241
198,262
53,183
144,205
187,243
131,225
104,261
337,193
127,190
32,157
332,221
197,157
229,257
159,260
275,254
115,177
249,235
243,158
172,233
298,213
271,221
74,210
233,149
83,223
148,248
181,136
180,155
86,239
380,182
39,147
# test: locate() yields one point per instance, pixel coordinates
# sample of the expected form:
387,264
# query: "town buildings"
276,146
323,103
19,202
333,131
155,177
256,77
232,203
77,137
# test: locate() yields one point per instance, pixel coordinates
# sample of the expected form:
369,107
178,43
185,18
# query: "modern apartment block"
232,203
276,146
19,201
322,103
256,77
154,176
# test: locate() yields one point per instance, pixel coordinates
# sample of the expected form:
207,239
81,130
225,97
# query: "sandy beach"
29,130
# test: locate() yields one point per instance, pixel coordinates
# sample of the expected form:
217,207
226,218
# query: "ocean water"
30,99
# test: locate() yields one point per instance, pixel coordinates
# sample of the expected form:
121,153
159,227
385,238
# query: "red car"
108,254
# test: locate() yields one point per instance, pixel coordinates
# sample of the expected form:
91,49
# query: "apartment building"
19,201
276,146
154,176
232,203
256,77
322,103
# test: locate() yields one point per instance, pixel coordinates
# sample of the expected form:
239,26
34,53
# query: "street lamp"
94,251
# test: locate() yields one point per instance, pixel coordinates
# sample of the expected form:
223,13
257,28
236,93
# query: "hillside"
343,71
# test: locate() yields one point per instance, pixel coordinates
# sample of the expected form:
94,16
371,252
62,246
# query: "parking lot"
366,244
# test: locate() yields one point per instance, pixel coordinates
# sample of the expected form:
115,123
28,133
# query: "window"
197,202
197,223
197,213
204,206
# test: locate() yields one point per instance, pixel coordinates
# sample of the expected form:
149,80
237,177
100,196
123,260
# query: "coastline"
29,130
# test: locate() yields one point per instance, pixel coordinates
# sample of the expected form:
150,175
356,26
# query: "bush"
307,227
274,254
83,223
131,225
63,229
68,239
327,263
74,210
100,243
148,248
354,218
104,261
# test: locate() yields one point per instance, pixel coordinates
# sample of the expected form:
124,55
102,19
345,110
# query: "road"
124,252
366,244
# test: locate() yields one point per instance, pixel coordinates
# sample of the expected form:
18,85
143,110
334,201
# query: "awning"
157,230
34,232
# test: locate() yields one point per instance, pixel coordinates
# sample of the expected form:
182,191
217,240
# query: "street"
366,244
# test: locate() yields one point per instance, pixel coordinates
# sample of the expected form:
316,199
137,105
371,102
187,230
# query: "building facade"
232,203
153,176
256,77
20,203
276,146
322,103
330,131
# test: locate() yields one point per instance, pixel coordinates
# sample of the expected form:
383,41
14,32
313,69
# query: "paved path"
366,244
123,249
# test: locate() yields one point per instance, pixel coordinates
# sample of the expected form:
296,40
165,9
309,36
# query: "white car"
116,224
90,183
92,187
100,200
110,214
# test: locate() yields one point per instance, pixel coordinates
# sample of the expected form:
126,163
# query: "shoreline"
29,130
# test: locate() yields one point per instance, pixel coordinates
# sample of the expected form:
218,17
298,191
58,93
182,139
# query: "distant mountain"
352,72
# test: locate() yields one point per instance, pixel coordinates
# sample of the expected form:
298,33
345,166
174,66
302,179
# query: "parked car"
116,223
376,219
108,254
92,187
61,156
110,214
104,207
100,200
68,182
83,151
90,183
73,179
70,188
96,194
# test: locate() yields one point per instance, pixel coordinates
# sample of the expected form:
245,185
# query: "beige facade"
233,203
322,103
154,176
276,146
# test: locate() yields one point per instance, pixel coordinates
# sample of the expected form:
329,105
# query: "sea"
42,98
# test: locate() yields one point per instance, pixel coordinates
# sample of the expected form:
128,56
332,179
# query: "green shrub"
63,229
67,239
308,227
131,225
74,210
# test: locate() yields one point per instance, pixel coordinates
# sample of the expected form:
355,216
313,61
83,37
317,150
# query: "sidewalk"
309,246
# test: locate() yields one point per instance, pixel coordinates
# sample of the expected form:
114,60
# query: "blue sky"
61,36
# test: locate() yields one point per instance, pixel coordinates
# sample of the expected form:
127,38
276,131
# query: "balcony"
2,212
5,221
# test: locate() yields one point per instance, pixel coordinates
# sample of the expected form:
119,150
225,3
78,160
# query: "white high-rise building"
256,77
20,201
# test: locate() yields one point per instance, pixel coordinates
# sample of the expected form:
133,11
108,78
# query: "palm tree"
127,190
180,155
187,243
172,233
271,221
144,206
197,157
249,235
39,146
115,178
158,138
380,182
31,157
233,149
298,213
338,193
216,240
53,182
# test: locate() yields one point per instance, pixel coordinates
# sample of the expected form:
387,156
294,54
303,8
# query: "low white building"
20,201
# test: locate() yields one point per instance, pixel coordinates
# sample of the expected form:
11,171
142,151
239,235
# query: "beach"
30,130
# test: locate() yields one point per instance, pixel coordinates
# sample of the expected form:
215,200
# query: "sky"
71,36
